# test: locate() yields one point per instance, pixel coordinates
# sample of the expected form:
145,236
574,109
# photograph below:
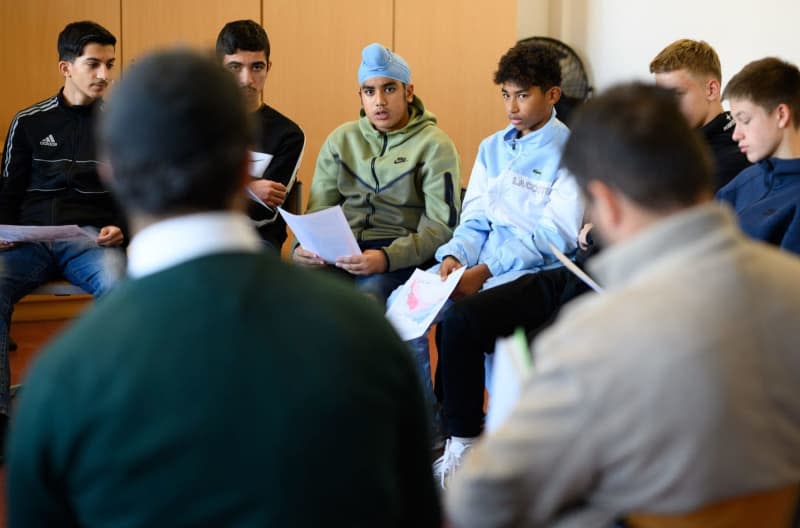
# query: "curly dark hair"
530,64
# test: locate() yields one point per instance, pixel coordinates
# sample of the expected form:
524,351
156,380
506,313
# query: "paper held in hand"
416,303
259,161
325,232
17,233
582,275
511,367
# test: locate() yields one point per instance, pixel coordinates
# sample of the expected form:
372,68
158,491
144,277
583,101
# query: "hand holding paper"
270,193
325,233
419,300
369,262
259,161
449,264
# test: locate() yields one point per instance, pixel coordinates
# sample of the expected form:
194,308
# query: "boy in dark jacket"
691,68
49,178
765,102
243,48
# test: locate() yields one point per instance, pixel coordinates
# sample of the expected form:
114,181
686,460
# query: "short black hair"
246,35
76,35
634,139
530,64
767,83
173,148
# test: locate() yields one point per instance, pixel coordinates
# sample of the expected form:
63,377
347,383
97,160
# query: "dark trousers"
469,330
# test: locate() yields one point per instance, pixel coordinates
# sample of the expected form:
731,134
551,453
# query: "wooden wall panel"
28,33
453,48
316,50
151,24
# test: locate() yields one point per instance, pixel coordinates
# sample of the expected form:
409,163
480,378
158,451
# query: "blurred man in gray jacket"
674,388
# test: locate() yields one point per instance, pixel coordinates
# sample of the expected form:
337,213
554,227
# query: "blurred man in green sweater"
188,396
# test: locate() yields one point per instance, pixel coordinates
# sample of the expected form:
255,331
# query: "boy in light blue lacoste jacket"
518,200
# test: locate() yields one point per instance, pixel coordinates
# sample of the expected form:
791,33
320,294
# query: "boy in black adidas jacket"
49,177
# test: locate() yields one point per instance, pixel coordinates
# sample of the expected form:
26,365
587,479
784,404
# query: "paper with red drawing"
414,307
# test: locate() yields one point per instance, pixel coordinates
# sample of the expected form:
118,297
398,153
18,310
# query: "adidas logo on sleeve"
49,141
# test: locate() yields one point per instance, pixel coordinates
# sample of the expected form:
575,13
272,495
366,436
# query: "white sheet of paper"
582,275
16,233
325,232
512,366
259,161
419,300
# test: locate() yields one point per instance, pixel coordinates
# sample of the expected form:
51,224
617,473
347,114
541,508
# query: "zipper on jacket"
69,176
372,163
367,217
449,199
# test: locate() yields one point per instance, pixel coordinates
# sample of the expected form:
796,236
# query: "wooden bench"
52,301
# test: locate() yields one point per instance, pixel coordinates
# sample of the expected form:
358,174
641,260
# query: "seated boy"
470,327
49,178
691,68
672,389
243,48
765,102
395,174
518,201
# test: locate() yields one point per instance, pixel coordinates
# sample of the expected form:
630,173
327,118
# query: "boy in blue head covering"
395,174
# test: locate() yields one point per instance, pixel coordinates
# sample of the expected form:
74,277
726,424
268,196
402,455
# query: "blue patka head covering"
379,61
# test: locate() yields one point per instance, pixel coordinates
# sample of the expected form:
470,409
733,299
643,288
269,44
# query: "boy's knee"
456,319
111,269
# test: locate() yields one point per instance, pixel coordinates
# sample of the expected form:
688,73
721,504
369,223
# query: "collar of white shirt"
177,240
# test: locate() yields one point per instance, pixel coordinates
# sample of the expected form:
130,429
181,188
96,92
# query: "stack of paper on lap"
17,233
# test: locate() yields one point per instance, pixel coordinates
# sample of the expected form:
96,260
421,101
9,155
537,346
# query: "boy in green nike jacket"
395,174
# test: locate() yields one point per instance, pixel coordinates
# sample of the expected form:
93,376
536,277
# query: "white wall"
617,39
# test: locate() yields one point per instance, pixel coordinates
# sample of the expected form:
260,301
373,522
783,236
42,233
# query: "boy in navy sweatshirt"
765,102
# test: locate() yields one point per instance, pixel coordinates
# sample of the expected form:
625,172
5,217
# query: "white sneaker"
446,464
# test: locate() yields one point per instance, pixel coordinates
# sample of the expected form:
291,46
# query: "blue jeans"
420,351
26,266
380,285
